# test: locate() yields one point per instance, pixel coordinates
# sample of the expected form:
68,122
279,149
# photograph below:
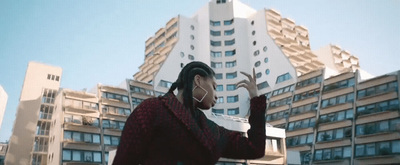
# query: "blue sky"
103,41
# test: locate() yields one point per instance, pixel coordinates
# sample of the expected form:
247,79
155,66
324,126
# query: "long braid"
185,80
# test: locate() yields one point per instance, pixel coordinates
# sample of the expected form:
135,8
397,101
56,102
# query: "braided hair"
185,80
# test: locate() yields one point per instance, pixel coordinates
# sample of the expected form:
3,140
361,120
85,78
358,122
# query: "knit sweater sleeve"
136,134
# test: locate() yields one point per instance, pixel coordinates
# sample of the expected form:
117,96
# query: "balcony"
114,102
333,143
379,159
302,31
84,110
327,124
273,13
70,126
379,136
69,144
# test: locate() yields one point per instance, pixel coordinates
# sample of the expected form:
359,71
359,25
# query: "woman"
173,130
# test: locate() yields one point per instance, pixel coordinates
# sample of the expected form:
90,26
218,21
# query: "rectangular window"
231,75
215,43
218,76
232,99
219,88
215,23
215,33
230,87
228,22
283,78
220,99
216,54
229,32
233,111
216,65
262,85
66,155
229,42
230,52
230,64
219,111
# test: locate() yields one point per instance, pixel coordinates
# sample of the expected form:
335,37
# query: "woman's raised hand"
249,84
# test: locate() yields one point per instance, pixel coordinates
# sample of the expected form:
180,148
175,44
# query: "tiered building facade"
332,112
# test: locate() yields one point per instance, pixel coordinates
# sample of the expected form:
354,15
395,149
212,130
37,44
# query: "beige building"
3,103
30,136
3,152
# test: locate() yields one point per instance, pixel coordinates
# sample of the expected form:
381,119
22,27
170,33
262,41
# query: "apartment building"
341,119
3,103
30,138
319,96
63,126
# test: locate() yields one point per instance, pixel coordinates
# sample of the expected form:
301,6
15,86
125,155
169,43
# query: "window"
215,43
256,53
277,115
230,64
299,140
258,75
378,148
216,65
306,95
281,102
191,57
228,22
333,134
215,33
229,32
46,111
310,81
220,88
338,100
230,87
49,96
85,156
283,78
218,76
283,90
232,99
333,153
267,71
192,47
383,88
166,84
219,111
216,54
114,96
339,85
262,85
378,107
254,43
220,100
229,42
304,108
265,48
112,124
230,53
298,124
111,140
231,75
233,111
116,110
257,64
378,127
266,60
215,23
253,32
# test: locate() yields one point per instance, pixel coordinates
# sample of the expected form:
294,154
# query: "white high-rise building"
232,37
